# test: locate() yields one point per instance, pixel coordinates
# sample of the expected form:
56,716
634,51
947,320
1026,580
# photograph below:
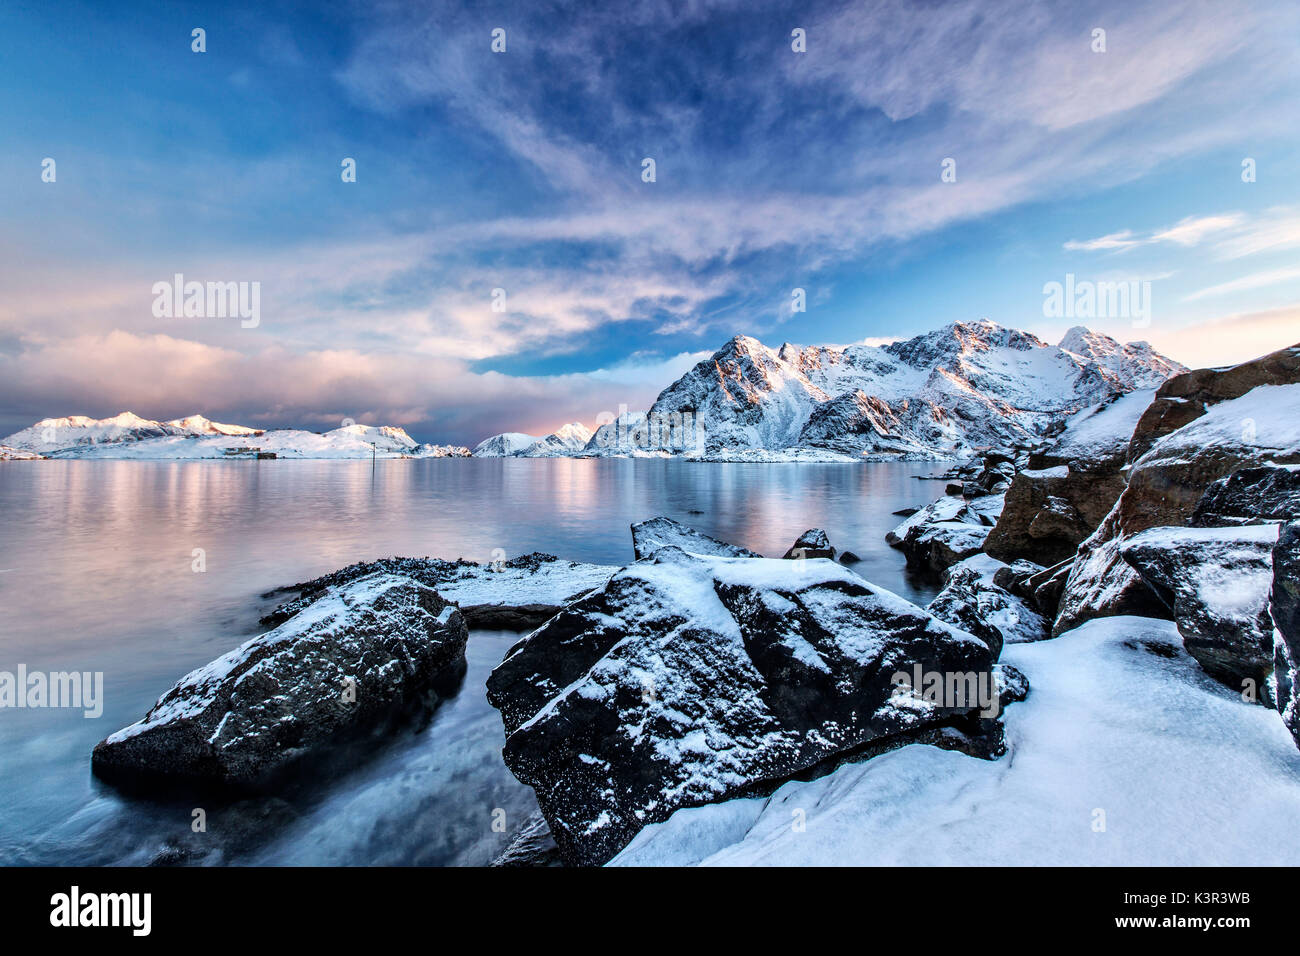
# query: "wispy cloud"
1257,280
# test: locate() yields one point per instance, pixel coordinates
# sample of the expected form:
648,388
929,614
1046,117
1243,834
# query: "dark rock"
936,547
848,557
1284,607
813,543
347,663
1052,507
973,601
513,595
1250,496
906,512
1215,581
649,536
689,679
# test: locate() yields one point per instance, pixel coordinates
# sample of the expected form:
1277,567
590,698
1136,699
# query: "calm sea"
97,574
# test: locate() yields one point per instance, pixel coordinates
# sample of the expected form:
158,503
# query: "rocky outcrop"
513,595
1249,496
813,543
1165,486
1215,582
353,659
1284,608
688,680
1066,491
1038,586
937,547
1185,398
945,531
973,601
655,533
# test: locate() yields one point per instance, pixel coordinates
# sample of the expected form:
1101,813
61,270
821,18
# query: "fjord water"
97,574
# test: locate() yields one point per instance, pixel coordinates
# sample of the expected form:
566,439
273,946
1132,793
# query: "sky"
917,163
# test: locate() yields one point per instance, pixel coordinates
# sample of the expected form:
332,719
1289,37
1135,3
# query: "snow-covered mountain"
57,434
505,445
938,395
564,442
198,425
129,436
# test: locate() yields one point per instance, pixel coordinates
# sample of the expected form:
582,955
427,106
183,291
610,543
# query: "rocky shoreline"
704,673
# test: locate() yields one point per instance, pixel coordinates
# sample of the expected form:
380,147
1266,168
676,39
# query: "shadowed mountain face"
939,394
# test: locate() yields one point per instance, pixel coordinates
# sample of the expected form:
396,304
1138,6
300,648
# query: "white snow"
1265,420
1103,430
1184,771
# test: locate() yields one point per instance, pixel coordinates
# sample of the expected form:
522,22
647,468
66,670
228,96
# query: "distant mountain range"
129,436
941,395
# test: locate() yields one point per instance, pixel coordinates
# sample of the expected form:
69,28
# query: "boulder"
651,535
937,547
691,679
1062,497
945,531
513,595
973,601
1249,496
358,655
1215,581
813,543
943,509
1184,398
1165,486
1284,608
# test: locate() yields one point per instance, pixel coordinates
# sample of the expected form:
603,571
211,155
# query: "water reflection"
101,579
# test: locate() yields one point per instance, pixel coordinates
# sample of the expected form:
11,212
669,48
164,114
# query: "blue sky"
522,171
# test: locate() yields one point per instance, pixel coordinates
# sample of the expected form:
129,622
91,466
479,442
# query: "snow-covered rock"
939,546
517,594
655,533
565,441
1125,753
1186,397
505,445
947,508
972,600
1215,581
1165,484
688,679
1066,491
349,661
1250,495
813,543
